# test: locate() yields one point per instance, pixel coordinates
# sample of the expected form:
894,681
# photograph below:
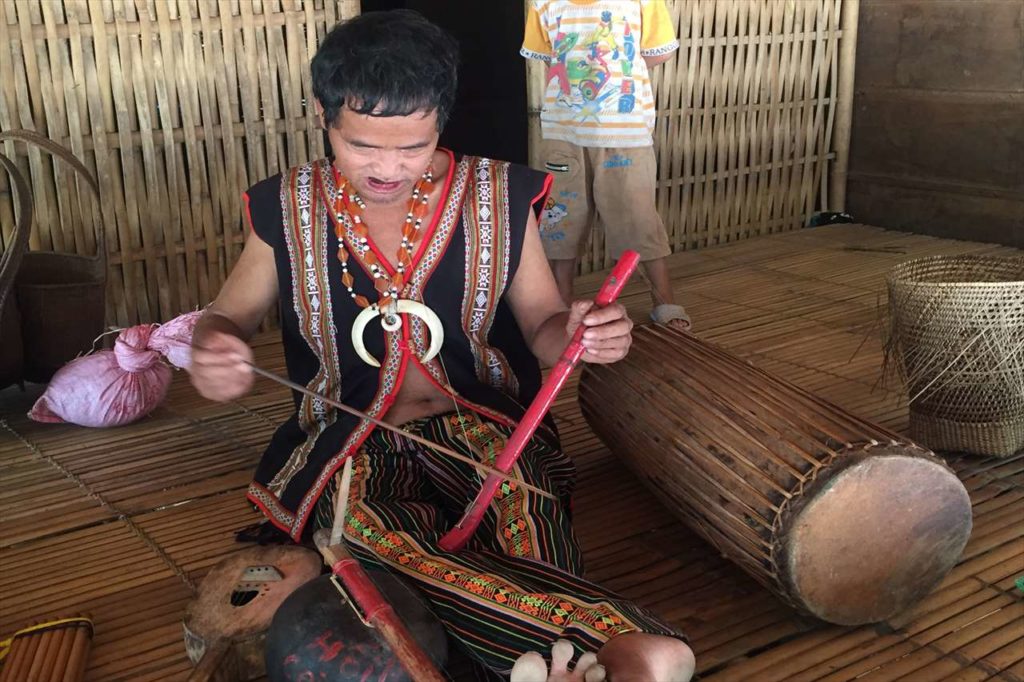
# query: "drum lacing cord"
120,515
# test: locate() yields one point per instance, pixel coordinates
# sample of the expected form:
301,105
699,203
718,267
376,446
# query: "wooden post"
535,102
844,103
535,85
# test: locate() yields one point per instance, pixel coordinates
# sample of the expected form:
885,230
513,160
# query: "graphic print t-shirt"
598,90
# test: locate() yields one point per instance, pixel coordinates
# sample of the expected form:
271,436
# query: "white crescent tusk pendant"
392,322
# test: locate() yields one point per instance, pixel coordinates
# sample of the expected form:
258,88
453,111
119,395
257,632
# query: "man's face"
383,156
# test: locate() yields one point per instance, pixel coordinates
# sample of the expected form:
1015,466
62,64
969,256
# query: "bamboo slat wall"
753,118
179,106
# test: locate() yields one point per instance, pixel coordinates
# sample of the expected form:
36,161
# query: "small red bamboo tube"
456,538
378,613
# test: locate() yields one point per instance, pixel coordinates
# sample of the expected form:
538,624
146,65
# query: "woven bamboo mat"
122,523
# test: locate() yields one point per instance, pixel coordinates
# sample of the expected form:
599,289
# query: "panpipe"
837,516
54,651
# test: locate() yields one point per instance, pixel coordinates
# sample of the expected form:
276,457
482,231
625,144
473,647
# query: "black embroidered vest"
465,262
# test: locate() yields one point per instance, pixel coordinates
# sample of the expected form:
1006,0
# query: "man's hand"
219,350
608,334
219,370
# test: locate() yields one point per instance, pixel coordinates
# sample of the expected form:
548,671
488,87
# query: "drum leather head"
875,537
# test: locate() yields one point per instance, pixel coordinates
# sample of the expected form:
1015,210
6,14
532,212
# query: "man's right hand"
219,351
219,370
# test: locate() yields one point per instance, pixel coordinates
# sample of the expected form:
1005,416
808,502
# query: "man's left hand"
608,331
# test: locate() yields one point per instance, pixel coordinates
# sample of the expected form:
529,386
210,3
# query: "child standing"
597,126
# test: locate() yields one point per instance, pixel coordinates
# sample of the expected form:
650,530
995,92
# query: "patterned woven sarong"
517,586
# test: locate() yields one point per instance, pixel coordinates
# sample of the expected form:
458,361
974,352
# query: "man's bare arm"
219,350
248,293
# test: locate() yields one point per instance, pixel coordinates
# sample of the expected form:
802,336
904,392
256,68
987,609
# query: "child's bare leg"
564,271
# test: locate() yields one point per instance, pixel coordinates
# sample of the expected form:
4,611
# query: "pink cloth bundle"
119,386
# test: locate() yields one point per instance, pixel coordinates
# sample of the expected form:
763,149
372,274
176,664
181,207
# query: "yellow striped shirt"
598,91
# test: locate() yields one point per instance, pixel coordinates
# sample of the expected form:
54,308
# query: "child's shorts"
615,184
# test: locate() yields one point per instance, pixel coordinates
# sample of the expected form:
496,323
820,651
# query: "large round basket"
57,300
957,336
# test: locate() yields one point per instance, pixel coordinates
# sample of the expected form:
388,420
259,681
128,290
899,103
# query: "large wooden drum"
837,516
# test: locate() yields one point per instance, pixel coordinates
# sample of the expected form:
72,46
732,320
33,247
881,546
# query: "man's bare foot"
530,667
642,657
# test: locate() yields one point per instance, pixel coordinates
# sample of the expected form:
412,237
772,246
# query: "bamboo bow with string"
489,470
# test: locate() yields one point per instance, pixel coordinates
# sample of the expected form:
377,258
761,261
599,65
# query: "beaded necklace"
347,200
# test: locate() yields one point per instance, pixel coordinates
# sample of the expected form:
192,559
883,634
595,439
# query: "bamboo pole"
47,639
16,661
844,103
31,645
63,655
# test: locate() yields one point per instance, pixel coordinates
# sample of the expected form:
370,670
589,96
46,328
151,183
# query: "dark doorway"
490,113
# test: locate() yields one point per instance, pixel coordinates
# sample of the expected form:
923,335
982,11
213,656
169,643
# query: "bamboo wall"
753,119
178,106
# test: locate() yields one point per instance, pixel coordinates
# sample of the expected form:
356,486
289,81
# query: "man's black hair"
386,64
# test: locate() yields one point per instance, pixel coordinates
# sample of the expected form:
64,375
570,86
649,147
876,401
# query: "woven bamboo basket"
61,297
957,337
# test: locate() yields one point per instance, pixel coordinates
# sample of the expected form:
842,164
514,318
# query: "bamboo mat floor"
122,523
